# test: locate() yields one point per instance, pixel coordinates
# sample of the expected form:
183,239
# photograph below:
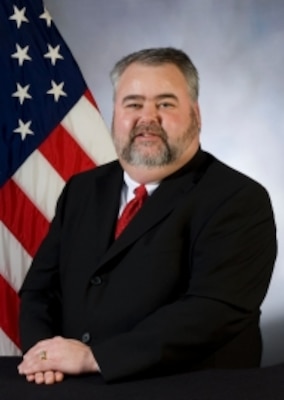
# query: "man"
181,287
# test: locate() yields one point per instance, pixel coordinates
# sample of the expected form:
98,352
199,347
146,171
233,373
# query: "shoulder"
225,177
90,177
85,184
99,171
221,184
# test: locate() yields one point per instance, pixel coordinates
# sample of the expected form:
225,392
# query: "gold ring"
43,355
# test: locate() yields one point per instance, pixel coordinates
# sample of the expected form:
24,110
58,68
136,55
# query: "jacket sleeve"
40,293
232,259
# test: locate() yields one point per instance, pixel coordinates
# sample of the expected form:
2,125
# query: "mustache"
152,128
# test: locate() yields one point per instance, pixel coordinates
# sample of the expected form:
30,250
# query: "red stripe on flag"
21,217
91,99
64,153
9,300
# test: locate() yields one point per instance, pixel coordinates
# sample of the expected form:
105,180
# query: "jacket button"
96,280
86,337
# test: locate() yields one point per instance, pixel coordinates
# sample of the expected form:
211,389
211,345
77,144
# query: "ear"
196,111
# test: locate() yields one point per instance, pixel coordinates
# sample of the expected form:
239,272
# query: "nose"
149,113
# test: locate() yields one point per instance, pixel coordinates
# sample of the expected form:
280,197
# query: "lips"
148,131
146,134
147,137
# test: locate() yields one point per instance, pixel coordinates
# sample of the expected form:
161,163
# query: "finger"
49,377
59,376
39,377
30,378
30,367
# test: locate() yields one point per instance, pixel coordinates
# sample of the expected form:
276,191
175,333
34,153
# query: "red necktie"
131,209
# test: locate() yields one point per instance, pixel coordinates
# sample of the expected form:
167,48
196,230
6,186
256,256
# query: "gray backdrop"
238,47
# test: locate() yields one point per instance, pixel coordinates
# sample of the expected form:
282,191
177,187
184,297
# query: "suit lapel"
108,191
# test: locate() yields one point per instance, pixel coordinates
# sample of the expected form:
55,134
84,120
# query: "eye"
134,106
166,104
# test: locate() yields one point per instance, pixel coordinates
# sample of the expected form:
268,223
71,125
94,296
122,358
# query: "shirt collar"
131,185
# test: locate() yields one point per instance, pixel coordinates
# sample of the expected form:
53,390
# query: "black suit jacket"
180,288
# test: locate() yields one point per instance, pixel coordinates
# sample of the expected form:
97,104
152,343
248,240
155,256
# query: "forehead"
141,78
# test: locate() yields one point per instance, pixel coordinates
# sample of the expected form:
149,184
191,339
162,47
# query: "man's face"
155,122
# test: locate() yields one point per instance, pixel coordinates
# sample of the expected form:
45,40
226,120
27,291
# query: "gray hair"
159,56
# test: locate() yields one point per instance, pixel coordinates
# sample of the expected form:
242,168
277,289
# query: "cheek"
122,123
175,123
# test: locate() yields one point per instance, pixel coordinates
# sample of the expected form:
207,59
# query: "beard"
160,153
142,153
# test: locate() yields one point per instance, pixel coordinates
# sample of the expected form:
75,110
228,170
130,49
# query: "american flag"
50,128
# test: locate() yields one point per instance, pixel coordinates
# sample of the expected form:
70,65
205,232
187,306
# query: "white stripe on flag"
7,347
87,127
40,182
12,255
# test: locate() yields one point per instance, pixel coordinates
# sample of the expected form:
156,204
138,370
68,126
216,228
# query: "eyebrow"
132,97
141,98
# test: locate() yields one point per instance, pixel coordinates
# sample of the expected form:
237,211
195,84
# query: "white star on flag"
24,129
19,16
21,54
53,54
47,17
57,90
22,93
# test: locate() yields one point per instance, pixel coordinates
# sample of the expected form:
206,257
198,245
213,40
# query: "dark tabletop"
251,384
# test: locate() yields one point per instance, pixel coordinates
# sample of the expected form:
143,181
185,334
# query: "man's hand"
50,359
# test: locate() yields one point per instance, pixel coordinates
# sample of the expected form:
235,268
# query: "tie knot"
141,192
